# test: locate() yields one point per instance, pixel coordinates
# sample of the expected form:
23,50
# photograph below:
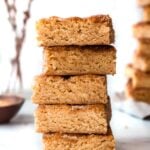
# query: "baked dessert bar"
143,48
78,142
146,13
82,89
72,119
77,60
139,79
94,30
141,31
141,62
139,94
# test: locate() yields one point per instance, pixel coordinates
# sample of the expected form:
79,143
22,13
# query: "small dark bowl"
9,111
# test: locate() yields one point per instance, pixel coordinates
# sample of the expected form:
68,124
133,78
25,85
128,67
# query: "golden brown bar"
84,89
139,79
93,30
141,31
76,60
139,94
78,142
141,62
146,13
72,119
143,48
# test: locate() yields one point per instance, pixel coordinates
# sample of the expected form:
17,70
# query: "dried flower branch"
19,37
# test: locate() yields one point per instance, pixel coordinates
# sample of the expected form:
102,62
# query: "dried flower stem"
19,38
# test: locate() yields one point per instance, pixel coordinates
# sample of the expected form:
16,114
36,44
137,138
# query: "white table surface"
130,133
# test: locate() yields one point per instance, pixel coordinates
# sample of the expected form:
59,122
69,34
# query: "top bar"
141,31
94,30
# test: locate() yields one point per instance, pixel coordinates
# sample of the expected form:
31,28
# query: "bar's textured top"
92,30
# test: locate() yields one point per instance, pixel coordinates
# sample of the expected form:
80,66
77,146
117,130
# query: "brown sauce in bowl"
6,101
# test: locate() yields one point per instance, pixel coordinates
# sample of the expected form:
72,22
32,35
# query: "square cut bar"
72,119
143,48
139,94
76,60
141,31
143,2
141,62
84,89
78,142
139,79
93,30
146,13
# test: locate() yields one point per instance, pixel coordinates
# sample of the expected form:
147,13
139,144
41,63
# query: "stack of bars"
74,108
138,86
